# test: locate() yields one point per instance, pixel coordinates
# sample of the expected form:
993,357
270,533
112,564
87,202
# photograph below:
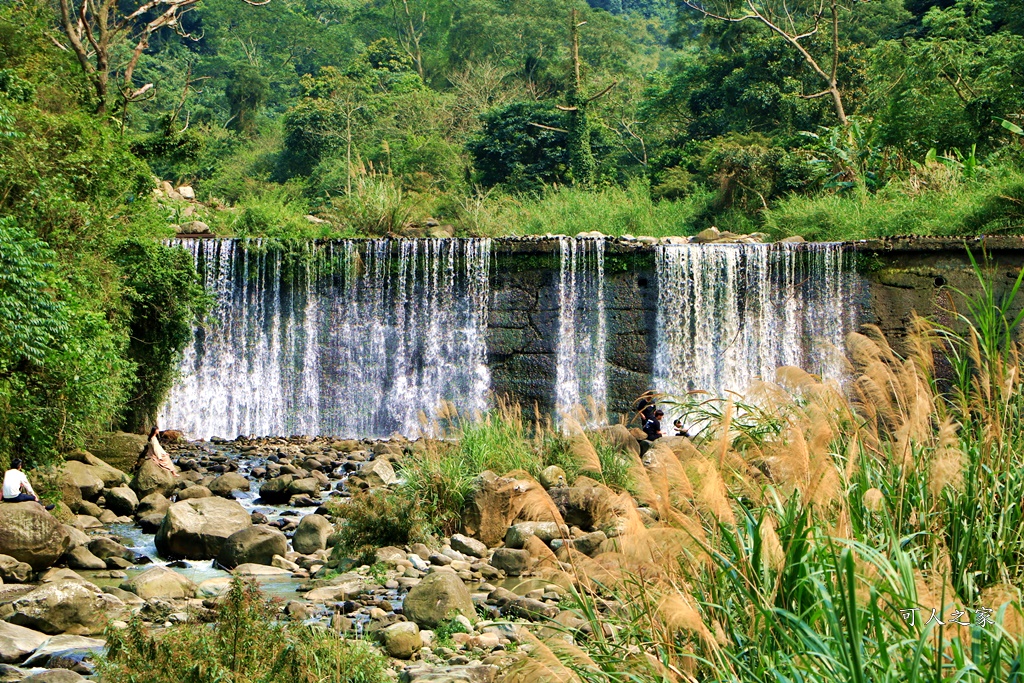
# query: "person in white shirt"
16,486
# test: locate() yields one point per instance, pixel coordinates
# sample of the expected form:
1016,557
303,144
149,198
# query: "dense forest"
320,118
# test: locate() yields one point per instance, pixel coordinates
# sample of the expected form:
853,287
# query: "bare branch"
603,92
540,125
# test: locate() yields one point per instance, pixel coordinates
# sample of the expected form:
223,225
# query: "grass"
248,642
992,205
813,536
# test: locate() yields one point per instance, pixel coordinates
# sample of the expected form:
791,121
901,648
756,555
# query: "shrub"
247,644
374,519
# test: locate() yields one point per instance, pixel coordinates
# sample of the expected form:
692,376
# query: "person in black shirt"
645,410
653,426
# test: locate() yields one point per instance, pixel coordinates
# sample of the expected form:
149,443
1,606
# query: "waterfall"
348,338
580,367
731,313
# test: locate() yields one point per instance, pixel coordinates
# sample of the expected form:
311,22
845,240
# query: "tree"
513,150
96,29
800,24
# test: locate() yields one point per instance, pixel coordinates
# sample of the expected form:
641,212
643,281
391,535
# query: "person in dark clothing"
653,426
645,410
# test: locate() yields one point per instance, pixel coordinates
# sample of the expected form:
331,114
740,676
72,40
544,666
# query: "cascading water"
580,370
349,338
731,313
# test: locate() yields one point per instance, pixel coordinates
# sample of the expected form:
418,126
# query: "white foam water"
731,313
347,338
582,334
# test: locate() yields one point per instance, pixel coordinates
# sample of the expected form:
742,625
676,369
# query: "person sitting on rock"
645,408
154,451
653,426
16,486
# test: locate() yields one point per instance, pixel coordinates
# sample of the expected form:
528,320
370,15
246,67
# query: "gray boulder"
252,545
196,491
14,571
83,476
65,606
111,476
225,484
18,642
81,558
122,500
197,529
378,472
468,546
440,596
311,534
517,534
512,561
275,491
160,582
402,640
30,534
151,478
55,676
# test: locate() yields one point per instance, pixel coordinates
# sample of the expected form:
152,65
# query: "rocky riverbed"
165,547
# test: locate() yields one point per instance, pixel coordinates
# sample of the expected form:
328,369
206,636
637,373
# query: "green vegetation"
247,643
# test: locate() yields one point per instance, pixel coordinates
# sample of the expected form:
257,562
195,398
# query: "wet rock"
529,608
468,546
18,642
197,529
65,606
122,500
402,640
517,534
30,534
307,486
512,561
311,534
67,652
252,545
253,569
105,548
438,597
160,582
344,587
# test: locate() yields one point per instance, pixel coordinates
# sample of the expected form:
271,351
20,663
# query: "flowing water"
730,313
348,338
582,334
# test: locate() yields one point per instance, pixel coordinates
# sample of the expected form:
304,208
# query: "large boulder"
196,529
252,545
378,472
440,596
122,500
65,606
30,534
518,534
83,476
226,483
488,512
151,478
590,508
18,642
311,534
55,676
402,640
160,582
468,546
111,476
512,561
81,558
120,448
275,491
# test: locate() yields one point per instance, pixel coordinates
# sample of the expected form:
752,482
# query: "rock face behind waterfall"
30,534
196,529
